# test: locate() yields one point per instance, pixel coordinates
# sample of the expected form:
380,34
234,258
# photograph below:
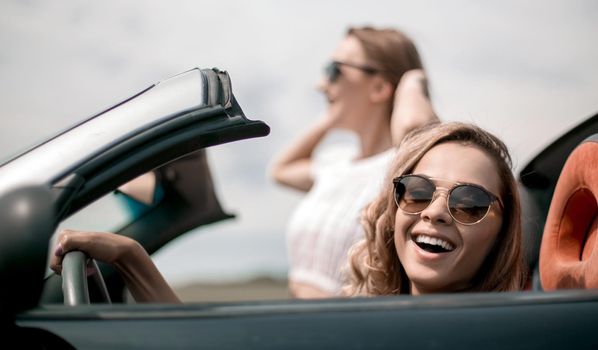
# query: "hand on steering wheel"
75,268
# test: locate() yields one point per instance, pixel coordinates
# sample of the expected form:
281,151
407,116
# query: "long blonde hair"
374,264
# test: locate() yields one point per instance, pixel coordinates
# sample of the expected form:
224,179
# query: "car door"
516,320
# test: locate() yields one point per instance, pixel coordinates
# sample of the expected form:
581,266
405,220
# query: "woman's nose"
322,84
437,211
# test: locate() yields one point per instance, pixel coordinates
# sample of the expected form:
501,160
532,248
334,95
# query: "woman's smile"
433,243
437,252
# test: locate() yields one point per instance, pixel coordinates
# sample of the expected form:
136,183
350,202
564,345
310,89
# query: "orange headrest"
568,254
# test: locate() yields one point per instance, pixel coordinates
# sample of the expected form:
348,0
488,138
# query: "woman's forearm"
293,166
143,279
412,107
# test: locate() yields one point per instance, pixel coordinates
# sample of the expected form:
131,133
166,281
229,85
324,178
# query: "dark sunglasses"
333,69
468,204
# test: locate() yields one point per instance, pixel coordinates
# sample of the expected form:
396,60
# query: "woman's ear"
381,90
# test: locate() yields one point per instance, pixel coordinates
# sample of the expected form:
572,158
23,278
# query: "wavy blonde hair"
374,264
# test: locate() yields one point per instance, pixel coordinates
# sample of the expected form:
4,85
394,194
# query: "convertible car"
164,130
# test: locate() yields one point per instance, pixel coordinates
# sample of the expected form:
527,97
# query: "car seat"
568,253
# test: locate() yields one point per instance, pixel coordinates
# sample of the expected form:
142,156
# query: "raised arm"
142,277
292,167
412,105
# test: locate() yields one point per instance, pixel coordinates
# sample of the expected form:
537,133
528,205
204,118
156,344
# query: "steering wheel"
74,279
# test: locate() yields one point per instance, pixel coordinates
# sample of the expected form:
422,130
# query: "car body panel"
458,321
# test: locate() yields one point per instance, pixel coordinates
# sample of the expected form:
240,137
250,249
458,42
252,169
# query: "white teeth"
434,241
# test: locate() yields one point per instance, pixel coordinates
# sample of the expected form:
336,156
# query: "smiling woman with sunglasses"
376,88
448,219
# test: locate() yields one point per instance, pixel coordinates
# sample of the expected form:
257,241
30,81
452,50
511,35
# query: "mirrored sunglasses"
467,204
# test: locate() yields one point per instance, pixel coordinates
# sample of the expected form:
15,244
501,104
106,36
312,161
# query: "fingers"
414,74
67,241
56,259
59,251
90,268
413,80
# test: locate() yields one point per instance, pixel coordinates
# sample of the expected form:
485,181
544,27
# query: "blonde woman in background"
376,88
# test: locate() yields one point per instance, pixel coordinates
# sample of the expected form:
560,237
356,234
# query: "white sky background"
525,70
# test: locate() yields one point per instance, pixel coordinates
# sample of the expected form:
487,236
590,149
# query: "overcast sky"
525,70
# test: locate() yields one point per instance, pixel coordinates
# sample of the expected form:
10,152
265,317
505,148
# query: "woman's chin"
427,280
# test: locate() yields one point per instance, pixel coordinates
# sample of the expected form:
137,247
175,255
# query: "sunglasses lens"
469,204
332,71
413,193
